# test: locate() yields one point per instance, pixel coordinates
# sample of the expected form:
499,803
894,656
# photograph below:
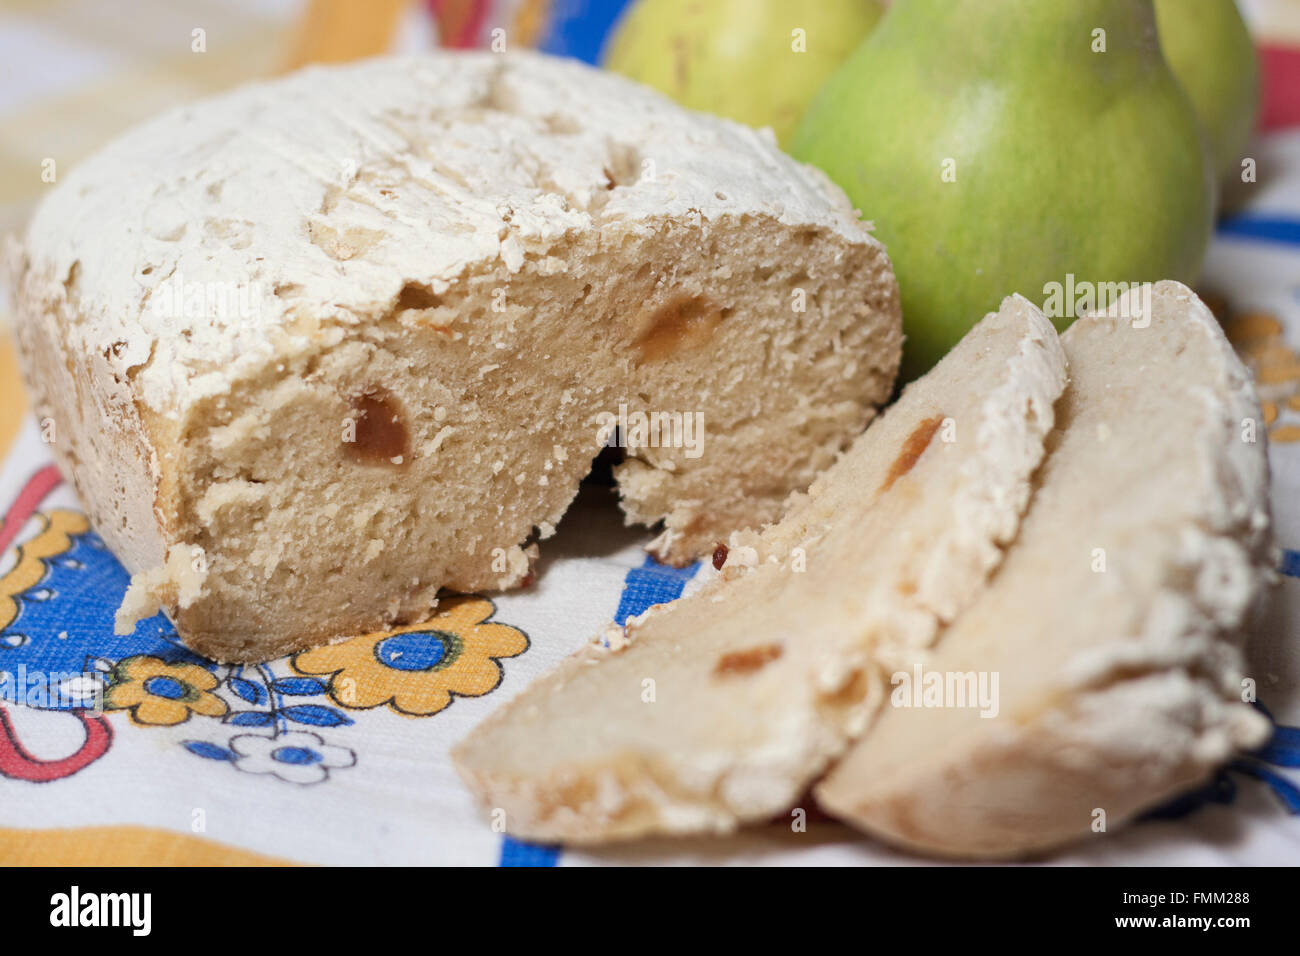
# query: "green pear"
756,61
1210,51
1004,145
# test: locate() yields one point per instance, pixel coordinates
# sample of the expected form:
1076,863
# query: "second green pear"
1208,47
1002,145
756,61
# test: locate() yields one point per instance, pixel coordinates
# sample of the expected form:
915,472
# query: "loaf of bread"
1113,626
317,348
722,707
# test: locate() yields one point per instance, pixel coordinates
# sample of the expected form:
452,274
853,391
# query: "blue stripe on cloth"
514,853
580,28
1290,563
1268,228
652,583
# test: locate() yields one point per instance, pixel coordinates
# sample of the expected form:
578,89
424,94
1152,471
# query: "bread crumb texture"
724,706
353,333
1115,623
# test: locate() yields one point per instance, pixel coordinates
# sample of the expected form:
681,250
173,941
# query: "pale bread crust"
1137,691
378,208
762,677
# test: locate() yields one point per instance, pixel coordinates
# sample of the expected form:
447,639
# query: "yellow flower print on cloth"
161,694
417,670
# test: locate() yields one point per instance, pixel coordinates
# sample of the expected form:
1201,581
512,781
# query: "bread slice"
1112,624
318,347
722,707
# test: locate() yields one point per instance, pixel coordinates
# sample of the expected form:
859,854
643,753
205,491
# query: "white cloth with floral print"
288,760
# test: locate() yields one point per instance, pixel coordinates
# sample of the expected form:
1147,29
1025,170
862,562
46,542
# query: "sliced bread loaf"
1112,625
316,348
723,706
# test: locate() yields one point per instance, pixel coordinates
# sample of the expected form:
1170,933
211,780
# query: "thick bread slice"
723,706
1112,622
318,347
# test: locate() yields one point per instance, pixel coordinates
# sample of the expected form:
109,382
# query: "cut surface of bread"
319,347
722,707
1112,623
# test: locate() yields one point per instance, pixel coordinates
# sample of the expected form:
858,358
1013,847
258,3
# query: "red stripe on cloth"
38,486
1280,68
460,22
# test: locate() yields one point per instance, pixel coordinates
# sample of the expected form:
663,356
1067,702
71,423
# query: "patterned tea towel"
133,750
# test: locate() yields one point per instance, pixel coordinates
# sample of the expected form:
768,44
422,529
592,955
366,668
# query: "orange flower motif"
1259,339
162,694
418,669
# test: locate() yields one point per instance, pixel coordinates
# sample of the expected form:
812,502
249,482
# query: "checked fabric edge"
652,583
